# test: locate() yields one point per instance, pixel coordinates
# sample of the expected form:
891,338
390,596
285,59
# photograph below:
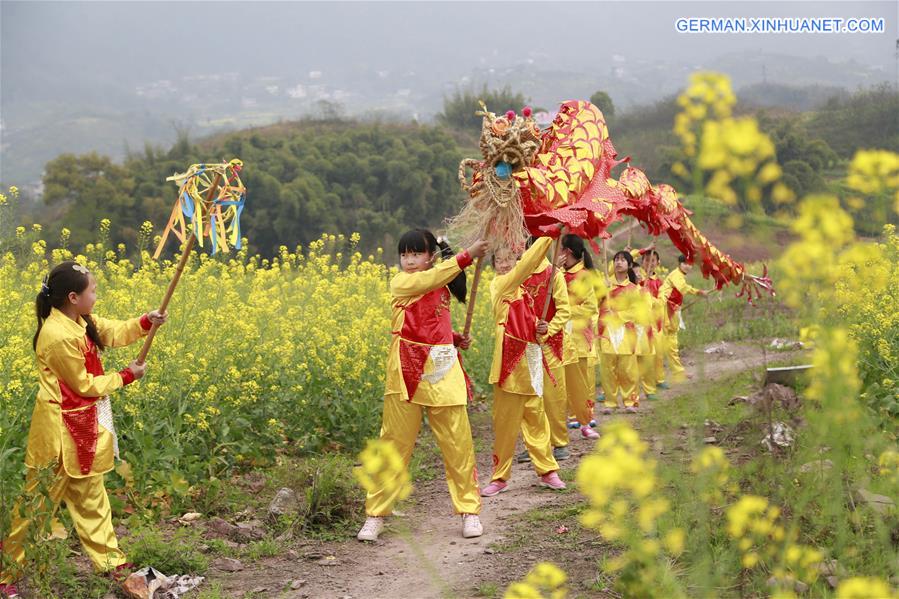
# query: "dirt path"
422,554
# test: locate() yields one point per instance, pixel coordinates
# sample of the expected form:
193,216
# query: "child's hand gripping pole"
479,249
188,248
469,313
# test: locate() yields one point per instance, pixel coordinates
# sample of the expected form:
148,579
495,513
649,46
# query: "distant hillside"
303,178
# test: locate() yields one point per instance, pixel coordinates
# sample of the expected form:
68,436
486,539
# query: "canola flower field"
258,355
287,354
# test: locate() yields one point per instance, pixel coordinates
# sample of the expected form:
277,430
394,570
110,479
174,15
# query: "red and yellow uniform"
424,373
672,292
71,431
651,368
580,373
557,347
625,334
517,369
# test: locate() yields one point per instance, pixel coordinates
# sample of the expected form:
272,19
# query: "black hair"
656,254
576,245
66,278
423,241
681,259
631,275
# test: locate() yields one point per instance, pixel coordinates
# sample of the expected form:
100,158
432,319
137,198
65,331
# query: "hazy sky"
140,40
74,75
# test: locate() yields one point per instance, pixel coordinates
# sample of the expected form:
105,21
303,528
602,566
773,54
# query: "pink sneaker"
8,591
606,411
494,488
552,480
589,433
631,409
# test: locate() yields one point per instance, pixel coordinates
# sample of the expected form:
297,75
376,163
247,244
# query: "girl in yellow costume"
652,372
517,371
558,350
625,333
71,426
672,292
580,374
424,373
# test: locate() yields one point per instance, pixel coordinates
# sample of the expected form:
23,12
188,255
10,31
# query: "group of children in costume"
543,367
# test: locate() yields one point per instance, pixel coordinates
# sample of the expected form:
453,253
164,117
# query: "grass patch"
178,553
541,527
816,505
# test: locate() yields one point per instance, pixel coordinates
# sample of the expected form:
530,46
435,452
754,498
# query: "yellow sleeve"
506,284
665,289
418,283
684,287
118,333
583,300
66,361
563,308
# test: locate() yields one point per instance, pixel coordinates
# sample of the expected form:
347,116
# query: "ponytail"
576,246
66,278
458,286
42,310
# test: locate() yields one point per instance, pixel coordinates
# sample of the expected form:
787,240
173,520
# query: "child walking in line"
424,374
580,375
652,373
71,425
624,334
517,371
557,351
672,292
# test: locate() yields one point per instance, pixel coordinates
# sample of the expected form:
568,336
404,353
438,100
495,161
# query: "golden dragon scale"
569,181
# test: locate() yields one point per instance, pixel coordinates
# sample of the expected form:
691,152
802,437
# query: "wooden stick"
552,275
625,229
605,263
469,314
188,248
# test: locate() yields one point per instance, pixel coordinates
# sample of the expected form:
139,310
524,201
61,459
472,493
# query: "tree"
88,188
459,108
303,179
603,101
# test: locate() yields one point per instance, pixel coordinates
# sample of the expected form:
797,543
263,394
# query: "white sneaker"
471,526
371,529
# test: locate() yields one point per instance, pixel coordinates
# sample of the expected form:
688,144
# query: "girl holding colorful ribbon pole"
71,426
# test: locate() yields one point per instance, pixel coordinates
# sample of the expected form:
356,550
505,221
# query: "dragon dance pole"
552,274
469,313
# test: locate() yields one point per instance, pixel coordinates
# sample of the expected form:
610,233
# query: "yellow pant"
555,404
89,508
660,342
652,368
647,368
580,384
513,412
400,425
618,373
673,355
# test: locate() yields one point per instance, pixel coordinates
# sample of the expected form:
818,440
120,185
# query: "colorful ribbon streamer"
206,212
